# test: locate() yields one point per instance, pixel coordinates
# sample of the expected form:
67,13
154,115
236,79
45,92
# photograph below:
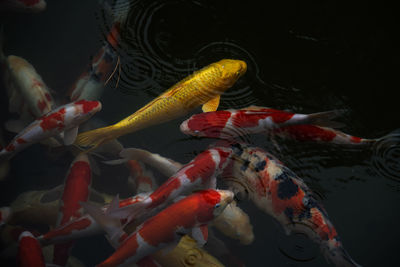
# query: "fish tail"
91,139
324,119
331,246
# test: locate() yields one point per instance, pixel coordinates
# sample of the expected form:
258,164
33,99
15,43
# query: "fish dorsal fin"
70,135
254,108
212,104
200,234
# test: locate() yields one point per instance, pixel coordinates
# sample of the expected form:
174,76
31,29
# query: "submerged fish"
227,124
90,84
279,192
141,179
188,215
64,119
29,251
203,87
76,189
28,94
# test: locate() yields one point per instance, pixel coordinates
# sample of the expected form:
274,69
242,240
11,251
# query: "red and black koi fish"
279,192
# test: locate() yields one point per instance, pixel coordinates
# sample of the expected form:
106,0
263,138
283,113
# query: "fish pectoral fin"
211,105
70,136
200,234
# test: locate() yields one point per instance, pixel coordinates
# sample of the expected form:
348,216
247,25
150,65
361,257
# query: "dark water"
302,56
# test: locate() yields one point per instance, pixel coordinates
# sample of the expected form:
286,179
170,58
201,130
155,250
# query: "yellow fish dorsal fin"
212,104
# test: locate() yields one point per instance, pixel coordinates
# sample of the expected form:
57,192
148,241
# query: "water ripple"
386,156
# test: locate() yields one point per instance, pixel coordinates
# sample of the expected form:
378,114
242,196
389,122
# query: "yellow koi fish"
203,87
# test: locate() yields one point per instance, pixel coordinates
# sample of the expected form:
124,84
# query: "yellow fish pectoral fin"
212,104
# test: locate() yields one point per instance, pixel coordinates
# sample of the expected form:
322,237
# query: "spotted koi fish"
31,6
29,251
200,173
279,192
188,215
64,119
227,124
90,84
203,87
76,189
28,94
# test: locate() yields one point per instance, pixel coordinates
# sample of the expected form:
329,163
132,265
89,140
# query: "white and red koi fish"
188,215
227,124
64,119
141,179
279,192
83,226
76,190
29,251
31,6
28,94
91,83
200,173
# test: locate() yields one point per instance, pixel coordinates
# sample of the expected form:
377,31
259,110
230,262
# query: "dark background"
306,56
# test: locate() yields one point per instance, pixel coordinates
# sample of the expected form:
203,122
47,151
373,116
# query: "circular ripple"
297,247
386,156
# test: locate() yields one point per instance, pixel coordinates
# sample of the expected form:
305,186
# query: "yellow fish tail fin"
91,139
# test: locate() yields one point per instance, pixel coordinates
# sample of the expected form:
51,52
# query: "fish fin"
94,166
15,126
110,225
200,234
130,212
70,136
254,108
92,139
212,104
324,119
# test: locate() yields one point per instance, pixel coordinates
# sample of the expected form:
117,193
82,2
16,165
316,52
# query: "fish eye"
217,206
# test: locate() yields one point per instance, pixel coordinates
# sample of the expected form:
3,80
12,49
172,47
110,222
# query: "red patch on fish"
66,230
87,106
164,191
325,231
48,96
76,189
355,139
307,132
29,252
10,147
129,201
113,36
53,121
210,123
41,104
203,167
127,249
21,141
29,2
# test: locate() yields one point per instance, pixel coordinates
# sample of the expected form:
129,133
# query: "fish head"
231,70
226,197
212,203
